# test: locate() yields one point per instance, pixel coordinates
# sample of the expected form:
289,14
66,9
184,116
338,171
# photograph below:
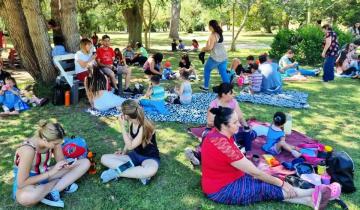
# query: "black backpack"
59,92
341,169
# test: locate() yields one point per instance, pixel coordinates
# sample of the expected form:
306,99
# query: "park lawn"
333,119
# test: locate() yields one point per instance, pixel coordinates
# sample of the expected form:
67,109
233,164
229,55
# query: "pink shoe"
321,197
335,190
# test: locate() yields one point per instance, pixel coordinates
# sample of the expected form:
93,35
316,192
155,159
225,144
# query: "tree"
131,12
16,24
55,15
39,38
69,27
149,18
175,19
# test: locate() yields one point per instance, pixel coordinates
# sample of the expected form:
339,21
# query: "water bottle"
288,124
67,98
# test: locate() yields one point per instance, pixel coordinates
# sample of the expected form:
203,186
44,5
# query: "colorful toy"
91,157
271,160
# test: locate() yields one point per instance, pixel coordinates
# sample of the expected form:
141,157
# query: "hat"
167,64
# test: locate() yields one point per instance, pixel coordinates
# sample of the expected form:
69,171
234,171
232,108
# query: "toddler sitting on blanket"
10,98
275,140
154,99
184,92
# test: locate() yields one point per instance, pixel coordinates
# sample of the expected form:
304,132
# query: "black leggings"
349,71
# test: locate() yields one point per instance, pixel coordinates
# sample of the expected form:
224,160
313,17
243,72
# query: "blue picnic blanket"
288,98
191,113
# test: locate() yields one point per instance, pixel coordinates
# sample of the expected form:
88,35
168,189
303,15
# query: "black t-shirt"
182,65
150,150
3,75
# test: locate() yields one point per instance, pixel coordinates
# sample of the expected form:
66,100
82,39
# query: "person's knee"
27,199
84,163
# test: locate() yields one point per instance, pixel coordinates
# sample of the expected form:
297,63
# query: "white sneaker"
53,199
71,188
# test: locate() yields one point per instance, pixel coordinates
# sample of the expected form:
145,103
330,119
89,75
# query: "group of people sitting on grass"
228,175
181,46
348,62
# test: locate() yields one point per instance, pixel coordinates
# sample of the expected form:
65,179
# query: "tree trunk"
233,42
175,19
69,25
55,15
18,30
286,21
40,39
134,21
308,14
268,29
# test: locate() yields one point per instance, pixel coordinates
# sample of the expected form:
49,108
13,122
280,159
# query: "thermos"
75,92
67,98
288,124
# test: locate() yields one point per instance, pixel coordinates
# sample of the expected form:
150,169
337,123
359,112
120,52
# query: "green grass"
333,119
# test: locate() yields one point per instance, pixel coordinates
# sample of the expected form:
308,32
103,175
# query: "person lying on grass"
275,138
228,177
292,68
34,179
225,99
143,160
96,87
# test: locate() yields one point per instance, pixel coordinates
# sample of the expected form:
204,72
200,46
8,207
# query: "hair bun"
215,111
42,123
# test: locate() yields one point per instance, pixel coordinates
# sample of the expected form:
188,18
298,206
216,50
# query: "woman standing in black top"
143,160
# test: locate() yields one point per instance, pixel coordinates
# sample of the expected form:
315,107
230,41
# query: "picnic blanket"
288,98
295,138
192,113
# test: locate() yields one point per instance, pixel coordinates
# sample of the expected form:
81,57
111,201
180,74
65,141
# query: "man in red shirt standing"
105,58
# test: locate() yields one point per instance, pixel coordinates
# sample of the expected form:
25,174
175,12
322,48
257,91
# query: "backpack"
75,147
59,92
341,169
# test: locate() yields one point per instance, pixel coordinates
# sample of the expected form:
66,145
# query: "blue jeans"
210,65
329,64
304,72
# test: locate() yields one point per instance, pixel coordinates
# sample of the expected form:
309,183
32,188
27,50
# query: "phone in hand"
71,161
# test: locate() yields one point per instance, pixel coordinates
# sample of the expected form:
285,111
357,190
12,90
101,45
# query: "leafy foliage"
306,41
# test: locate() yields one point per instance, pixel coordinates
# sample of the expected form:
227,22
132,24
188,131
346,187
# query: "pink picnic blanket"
295,138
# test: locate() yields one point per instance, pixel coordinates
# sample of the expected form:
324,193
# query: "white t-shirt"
79,55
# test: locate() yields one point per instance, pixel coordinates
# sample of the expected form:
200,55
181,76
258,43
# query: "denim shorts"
137,159
15,184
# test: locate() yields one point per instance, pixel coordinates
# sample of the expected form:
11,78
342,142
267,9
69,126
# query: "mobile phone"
125,166
71,161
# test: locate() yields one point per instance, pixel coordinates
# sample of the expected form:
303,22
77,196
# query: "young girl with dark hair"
243,137
185,65
96,87
343,65
143,160
228,177
153,65
218,56
275,138
330,52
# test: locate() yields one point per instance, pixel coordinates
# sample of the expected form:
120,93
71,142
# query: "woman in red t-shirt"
228,177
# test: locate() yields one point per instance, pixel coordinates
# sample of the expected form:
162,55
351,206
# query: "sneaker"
43,101
192,77
53,199
71,188
189,154
145,181
204,89
109,175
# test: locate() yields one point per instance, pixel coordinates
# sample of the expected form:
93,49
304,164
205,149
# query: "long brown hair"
132,109
95,82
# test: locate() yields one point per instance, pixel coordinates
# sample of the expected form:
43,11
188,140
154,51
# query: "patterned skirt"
247,190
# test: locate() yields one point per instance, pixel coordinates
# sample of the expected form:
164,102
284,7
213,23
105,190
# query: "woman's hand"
58,166
323,54
290,191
